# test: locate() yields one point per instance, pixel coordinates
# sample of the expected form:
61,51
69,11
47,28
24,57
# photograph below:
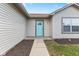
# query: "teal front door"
39,28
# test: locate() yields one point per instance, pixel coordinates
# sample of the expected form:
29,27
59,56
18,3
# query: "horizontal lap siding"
12,27
57,23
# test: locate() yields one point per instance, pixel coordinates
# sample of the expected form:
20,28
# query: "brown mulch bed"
21,49
66,41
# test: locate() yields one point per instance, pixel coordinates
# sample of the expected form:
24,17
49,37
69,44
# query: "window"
71,25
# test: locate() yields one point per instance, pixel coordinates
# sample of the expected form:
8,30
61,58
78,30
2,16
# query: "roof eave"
66,6
22,8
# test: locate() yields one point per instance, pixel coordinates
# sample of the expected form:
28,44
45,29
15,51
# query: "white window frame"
62,26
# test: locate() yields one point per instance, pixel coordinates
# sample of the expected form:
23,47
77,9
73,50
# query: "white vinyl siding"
12,27
56,23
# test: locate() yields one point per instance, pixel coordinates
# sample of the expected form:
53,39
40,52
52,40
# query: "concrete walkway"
39,48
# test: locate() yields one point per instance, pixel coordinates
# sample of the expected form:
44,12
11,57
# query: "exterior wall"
56,22
47,28
31,28
51,27
12,27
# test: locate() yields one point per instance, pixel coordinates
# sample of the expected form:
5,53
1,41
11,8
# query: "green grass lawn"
56,49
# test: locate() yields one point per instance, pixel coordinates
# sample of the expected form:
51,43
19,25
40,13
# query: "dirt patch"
67,41
21,49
